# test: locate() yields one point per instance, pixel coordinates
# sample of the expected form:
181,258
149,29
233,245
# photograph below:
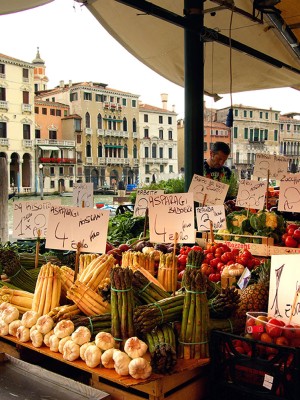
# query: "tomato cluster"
219,255
183,256
291,237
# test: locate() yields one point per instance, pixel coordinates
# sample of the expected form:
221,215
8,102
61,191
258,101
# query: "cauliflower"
271,220
238,220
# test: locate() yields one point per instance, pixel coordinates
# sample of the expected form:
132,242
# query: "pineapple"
256,295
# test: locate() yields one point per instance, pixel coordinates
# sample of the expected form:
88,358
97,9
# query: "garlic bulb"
54,343
23,334
10,313
44,324
36,338
47,337
4,327
105,340
29,318
135,347
62,343
83,349
81,335
71,350
107,358
122,361
13,326
139,368
92,356
64,328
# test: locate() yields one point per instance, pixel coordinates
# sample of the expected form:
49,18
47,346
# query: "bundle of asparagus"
67,279
224,304
122,303
48,289
96,271
96,324
167,271
18,298
64,312
195,317
85,260
161,342
87,300
148,316
143,260
145,290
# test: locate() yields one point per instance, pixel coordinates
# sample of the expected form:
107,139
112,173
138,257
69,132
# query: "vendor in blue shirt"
214,167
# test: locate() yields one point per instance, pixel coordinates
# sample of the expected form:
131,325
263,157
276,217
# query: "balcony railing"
88,131
4,142
114,133
115,160
26,107
253,141
3,105
46,160
101,160
89,160
3,76
100,132
134,135
60,143
27,143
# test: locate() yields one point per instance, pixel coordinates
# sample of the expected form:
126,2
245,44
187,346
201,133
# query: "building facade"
290,140
158,143
254,131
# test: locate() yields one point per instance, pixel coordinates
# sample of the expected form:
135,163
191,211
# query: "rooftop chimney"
164,99
70,83
61,84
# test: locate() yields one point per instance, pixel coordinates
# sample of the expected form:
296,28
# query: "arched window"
100,149
154,147
87,120
88,149
125,151
134,125
109,123
114,124
134,151
124,124
99,121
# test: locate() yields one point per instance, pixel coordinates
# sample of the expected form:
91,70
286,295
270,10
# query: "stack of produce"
167,271
224,304
145,260
67,275
66,311
122,303
145,290
195,317
97,270
85,260
18,298
96,324
48,289
161,342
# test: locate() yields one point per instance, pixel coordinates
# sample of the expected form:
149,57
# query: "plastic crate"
267,371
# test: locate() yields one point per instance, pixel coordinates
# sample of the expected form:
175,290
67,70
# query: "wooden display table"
190,378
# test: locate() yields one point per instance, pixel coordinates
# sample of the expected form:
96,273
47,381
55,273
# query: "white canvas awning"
49,148
12,6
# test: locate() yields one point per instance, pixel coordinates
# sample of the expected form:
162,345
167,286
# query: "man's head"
218,154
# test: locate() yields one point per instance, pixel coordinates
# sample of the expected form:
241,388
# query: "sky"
61,30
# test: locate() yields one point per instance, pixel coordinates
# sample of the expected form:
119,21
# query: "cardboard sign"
277,166
68,226
171,216
31,216
289,194
251,194
284,283
215,214
208,191
83,195
141,202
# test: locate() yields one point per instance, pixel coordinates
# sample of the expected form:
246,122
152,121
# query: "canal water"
66,201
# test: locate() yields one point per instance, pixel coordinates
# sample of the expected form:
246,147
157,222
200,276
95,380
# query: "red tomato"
209,256
292,226
196,248
289,332
284,236
214,277
180,275
274,327
220,266
227,257
296,234
206,269
291,231
185,250
251,263
182,259
246,253
235,252
243,260
214,262
290,242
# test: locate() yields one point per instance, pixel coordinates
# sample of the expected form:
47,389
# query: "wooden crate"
190,378
256,249
283,250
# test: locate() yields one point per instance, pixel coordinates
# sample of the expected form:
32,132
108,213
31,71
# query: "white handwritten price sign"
276,166
31,216
289,194
208,190
67,226
251,194
207,214
284,283
83,195
141,202
170,214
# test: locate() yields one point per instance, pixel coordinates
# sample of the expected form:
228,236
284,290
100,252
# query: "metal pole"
41,182
194,91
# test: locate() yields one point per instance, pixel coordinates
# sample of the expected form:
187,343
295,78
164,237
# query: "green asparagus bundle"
122,303
27,260
148,316
195,317
194,261
161,342
145,290
224,304
96,323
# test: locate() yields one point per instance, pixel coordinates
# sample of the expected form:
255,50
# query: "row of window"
26,132
25,72
160,134
161,170
101,98
160,152
52,111
160,119
289,127
249,114
25,95
255,134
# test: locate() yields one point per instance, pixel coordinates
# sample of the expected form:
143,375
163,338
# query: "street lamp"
41,181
